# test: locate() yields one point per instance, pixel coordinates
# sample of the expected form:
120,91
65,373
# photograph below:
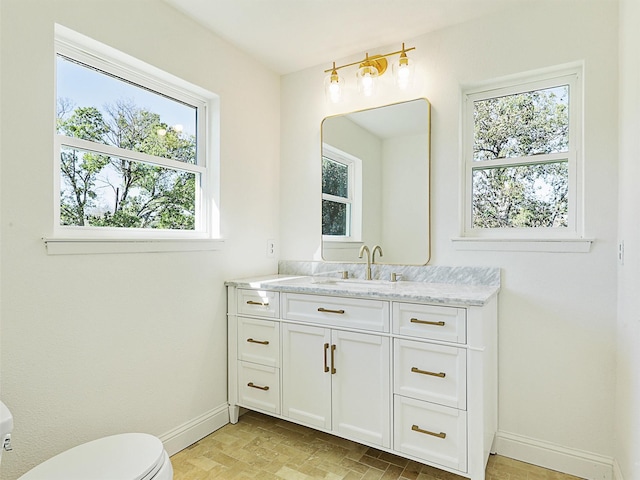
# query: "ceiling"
291,35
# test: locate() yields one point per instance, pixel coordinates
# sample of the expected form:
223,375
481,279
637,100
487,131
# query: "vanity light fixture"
404,70
368,73
369,69
333,85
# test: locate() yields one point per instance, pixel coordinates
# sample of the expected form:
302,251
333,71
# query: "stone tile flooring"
262,447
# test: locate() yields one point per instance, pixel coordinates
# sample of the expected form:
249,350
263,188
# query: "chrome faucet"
378,249
363,249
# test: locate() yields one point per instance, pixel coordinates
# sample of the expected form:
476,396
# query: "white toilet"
127,456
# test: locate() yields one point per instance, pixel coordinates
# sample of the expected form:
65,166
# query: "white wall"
99,344
405,206
627,450
557,310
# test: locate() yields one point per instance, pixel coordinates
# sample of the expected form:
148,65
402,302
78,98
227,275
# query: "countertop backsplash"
488,276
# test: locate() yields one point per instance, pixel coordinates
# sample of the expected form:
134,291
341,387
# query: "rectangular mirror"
375,183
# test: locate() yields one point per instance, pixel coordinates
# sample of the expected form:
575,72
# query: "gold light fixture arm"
371,60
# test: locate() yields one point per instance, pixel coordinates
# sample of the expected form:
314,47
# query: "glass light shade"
333,87
404,72
367,78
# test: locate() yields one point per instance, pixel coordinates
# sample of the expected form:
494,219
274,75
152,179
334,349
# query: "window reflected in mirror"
341,195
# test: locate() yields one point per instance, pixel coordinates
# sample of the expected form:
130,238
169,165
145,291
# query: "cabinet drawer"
259,341
448,324
431,432
355,313
259,387
435,373
260,303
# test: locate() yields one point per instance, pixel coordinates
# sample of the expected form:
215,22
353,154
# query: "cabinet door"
361,387
306,376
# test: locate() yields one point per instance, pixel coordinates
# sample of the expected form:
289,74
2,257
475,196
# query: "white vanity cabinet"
413,378
336,379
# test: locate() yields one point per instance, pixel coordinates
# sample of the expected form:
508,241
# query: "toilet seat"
127,456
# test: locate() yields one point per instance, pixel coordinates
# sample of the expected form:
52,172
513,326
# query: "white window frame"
571,76
65,238
354,165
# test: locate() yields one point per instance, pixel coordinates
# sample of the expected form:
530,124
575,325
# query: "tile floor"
265,448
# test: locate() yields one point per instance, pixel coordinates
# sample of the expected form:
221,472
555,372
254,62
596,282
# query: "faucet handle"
345,274
395,276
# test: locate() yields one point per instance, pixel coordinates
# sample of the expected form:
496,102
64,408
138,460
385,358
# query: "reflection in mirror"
375,183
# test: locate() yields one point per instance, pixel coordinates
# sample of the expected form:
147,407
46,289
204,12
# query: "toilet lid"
128,456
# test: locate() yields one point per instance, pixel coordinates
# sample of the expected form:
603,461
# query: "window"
341,193
521,155
131,149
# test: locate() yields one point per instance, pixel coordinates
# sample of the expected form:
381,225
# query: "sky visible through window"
85,87
102,190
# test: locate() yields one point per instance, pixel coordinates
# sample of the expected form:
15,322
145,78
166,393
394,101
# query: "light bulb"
403,71
367,80
367,84
404,75
333,86
335,92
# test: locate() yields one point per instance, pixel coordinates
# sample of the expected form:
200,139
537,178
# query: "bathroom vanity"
406,367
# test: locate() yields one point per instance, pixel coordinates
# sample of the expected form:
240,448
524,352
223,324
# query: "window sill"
341,244
553,245
85,246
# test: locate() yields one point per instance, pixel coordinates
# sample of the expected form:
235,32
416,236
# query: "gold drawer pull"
265,388
326,310
427,322
424,372
261,342
253,302
416,428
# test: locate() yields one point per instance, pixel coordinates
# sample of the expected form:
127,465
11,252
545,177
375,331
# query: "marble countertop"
423,292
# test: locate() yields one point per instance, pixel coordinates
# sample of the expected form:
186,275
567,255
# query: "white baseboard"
189,433
555,457
617,473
